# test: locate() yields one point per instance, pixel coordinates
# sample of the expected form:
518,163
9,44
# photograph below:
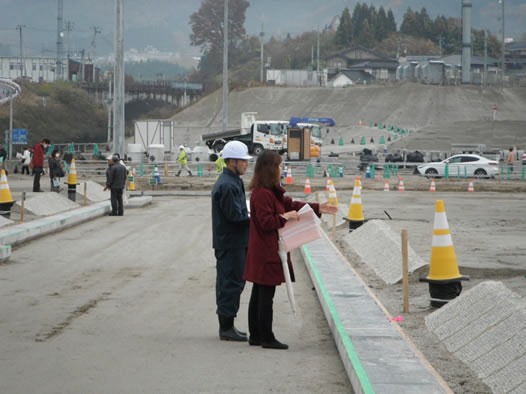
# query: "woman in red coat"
269,211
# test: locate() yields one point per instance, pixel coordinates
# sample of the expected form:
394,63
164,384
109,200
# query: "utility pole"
22,62
466,41
96,30
118,93
318,56
502,64
485,57
59,74
225,67
69,27
261,66
10,137
440,44
109,102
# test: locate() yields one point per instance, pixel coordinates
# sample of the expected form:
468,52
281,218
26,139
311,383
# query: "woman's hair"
55,151
266,173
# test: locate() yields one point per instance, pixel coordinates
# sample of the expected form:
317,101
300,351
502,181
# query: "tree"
366,36
391,22
344,34
381,25
409,25
207,23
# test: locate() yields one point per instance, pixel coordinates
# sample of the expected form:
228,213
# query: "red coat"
38,155
263,264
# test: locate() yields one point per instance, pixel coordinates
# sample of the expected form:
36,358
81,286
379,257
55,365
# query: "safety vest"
182,157
220,163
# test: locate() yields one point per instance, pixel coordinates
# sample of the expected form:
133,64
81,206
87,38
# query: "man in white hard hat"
183,163
230,227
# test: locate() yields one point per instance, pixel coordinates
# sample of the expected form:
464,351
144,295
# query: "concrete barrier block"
380,248
5,222
5,253
45,204
485,327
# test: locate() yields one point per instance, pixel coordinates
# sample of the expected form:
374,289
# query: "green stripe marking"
347,343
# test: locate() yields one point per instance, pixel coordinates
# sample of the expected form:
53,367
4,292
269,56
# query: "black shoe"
38,191
254,341
274,344
242,333
231,335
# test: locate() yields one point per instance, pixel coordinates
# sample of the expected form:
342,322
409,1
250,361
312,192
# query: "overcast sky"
164,23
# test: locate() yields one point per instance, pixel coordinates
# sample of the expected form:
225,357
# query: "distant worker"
55,171
230,227
38,163
116,181
26,159
511,159
220,164
183,163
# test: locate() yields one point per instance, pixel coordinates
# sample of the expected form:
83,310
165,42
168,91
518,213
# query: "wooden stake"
166,168
334,227
405,275
318,197
85,193
22,207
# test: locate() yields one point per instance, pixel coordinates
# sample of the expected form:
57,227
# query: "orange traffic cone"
379,177
386,187
288,181
433,187
470,187
307,189
328,187
444,277
355,216
401,187
360,123
333,198
359,182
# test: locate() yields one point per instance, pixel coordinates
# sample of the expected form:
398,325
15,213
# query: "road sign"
19,136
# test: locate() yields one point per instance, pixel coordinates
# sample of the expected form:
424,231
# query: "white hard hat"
181,147
236,150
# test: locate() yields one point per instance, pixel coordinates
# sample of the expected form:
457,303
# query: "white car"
463,165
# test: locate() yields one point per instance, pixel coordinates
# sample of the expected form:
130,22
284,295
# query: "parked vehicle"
367,156
395,157
468,165
258,135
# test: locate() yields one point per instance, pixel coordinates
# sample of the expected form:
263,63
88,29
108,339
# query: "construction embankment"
440,115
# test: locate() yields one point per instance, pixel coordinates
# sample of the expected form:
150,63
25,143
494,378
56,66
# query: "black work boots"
227,331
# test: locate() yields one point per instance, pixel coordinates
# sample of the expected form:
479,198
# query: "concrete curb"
23,232
377,356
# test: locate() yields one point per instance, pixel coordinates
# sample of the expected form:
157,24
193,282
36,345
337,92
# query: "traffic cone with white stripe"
328,187
72,181
355,215
289,181
444,277
333,198
131,179
433,187
307,189
6,199
401,187
386,186
471,188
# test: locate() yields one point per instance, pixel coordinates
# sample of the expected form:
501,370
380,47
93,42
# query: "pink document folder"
302,231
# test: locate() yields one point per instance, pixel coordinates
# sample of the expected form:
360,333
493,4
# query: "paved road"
127,305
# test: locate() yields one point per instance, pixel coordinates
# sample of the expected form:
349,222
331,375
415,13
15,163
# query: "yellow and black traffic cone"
444,276
6,199
355,216
72,181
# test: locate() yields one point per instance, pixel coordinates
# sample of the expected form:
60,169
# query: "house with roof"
515,57
359,58
350,77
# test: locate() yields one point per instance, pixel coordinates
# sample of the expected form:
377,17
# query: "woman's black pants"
260,313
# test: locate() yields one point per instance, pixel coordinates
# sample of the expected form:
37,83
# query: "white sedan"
463,165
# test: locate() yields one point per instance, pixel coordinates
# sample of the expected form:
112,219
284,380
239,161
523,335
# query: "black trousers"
117,208
229,280
260,313
24,169
36,179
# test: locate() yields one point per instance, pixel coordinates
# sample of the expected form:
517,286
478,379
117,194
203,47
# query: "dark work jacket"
116,177
263,265
230,220
55,169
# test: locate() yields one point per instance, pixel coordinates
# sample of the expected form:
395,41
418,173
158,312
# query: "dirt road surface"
127,305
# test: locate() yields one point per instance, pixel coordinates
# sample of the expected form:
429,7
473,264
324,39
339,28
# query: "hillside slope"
413,106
